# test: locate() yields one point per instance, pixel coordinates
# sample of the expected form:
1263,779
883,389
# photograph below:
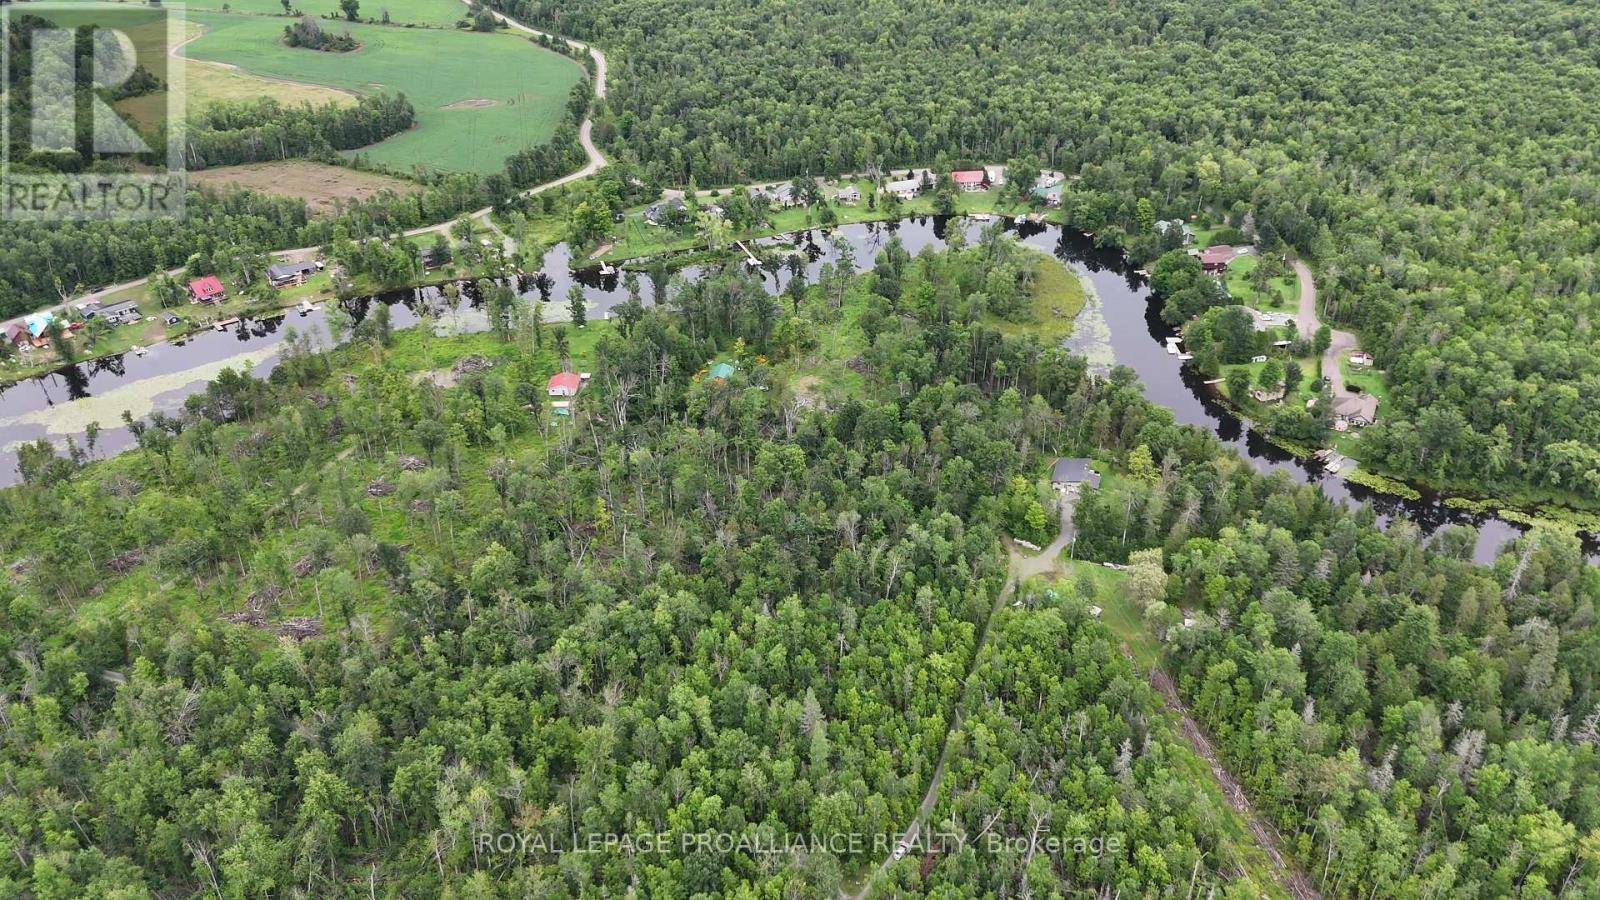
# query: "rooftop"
1074,470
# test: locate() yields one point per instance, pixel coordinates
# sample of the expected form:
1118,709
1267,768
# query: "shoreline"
1536,514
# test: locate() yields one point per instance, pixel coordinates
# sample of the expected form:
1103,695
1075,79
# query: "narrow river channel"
1120,326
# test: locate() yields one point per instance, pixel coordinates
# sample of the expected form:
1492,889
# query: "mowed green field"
479,97
418,12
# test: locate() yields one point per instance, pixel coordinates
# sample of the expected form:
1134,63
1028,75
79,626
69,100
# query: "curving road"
596,162
1310,321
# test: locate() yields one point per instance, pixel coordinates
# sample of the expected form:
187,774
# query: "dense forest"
1436,158
321,633
227,133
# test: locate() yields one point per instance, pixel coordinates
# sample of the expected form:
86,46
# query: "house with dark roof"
435,256
668,211
120,313
207,289
1357,409
1070,474
285,274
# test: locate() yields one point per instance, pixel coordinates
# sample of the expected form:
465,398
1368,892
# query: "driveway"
1310,320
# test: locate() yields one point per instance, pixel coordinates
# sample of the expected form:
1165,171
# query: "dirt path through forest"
1021,567
1286,873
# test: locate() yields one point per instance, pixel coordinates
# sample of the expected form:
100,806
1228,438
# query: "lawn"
1283,292
478,97
443,13
1366,378
639,239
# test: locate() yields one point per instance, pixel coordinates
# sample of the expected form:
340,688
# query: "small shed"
721,371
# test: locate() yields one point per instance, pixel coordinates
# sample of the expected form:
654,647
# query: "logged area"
324,188
435,69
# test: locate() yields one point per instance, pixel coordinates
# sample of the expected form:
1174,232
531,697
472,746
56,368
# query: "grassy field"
322,187
442,13
479,97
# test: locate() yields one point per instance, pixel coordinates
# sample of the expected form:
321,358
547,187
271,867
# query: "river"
1120,324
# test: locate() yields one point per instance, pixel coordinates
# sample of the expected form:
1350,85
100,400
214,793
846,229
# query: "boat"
1172,348
138,350
304,307
981,217
1185,357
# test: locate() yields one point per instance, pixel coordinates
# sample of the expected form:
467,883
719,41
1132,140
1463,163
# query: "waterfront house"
1215,259
207,289
849,195
285,274
120,313
970,180
1357,409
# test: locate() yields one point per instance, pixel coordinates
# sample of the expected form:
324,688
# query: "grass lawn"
1302,392
1283,292
443,13
478,97
1367,378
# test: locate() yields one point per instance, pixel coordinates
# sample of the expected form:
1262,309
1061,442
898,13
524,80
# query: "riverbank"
1525,511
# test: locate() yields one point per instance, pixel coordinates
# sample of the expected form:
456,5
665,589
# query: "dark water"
48,406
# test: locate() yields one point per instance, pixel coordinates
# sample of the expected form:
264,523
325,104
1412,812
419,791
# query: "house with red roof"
564,384
1216,258
970,180
207,289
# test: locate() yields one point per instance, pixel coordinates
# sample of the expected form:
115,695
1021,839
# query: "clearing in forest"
319,185
526,86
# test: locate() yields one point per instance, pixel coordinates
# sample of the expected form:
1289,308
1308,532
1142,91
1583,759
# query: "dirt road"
596,162
1310,320
1021,568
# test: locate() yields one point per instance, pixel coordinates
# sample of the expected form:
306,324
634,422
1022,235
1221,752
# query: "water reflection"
1132,327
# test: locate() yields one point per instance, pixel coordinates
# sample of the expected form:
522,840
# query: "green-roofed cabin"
722,371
